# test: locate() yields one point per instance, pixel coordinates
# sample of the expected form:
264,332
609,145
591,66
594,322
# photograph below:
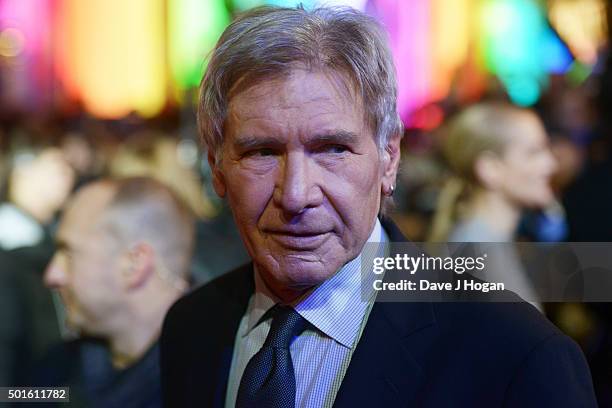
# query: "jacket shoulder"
504,320
197,335
233,287
531,359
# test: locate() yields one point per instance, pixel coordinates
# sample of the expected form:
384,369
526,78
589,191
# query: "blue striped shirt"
320,356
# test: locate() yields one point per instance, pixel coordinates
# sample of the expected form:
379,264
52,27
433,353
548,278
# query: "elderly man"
124,250
298,112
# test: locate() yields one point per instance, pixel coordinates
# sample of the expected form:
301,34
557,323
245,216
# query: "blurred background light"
193,29
12,42
582,24
578,73
409,35
26,39
118,57
241,5
308,4
356,4
556,56
450,32
519,47
114,55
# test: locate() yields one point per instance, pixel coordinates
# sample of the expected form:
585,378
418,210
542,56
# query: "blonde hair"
482,128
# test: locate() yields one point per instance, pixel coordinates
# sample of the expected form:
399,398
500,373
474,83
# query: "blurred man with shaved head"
124,250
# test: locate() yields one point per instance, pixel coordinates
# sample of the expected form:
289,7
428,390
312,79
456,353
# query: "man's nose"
298,185
55,274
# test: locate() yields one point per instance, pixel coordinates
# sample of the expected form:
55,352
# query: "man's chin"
301,272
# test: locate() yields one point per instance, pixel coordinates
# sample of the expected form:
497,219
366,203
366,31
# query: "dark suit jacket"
415,354
28,322
84,365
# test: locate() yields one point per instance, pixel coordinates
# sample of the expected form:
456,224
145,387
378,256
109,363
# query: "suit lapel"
383,371
236,293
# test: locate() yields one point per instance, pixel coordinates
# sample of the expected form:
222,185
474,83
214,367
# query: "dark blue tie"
268,380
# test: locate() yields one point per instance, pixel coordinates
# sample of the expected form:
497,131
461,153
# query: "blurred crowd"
491,172
481,170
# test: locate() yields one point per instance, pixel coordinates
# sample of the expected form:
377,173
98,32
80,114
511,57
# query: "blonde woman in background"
501,164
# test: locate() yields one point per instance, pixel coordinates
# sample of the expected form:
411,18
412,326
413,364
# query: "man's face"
303,174
84,269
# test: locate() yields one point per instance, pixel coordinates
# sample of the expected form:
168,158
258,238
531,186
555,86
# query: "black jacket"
411,354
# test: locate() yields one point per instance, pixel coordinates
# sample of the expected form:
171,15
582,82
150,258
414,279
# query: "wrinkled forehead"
342,80
325,90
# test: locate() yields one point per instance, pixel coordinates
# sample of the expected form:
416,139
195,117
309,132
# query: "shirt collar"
335,307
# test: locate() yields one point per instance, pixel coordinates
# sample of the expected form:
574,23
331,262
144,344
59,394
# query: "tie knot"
286,324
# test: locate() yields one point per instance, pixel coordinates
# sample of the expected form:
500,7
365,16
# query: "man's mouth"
300,240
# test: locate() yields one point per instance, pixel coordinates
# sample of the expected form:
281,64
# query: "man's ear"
218,179
139,265
488,171
391,160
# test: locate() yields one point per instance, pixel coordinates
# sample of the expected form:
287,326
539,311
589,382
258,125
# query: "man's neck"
280,294
140,331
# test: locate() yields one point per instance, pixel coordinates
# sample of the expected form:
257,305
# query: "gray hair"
269,41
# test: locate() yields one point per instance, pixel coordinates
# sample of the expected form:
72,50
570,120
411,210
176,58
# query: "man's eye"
260,153
334,149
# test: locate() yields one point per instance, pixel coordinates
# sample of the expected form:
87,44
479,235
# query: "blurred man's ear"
391,160
218,179
140,265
